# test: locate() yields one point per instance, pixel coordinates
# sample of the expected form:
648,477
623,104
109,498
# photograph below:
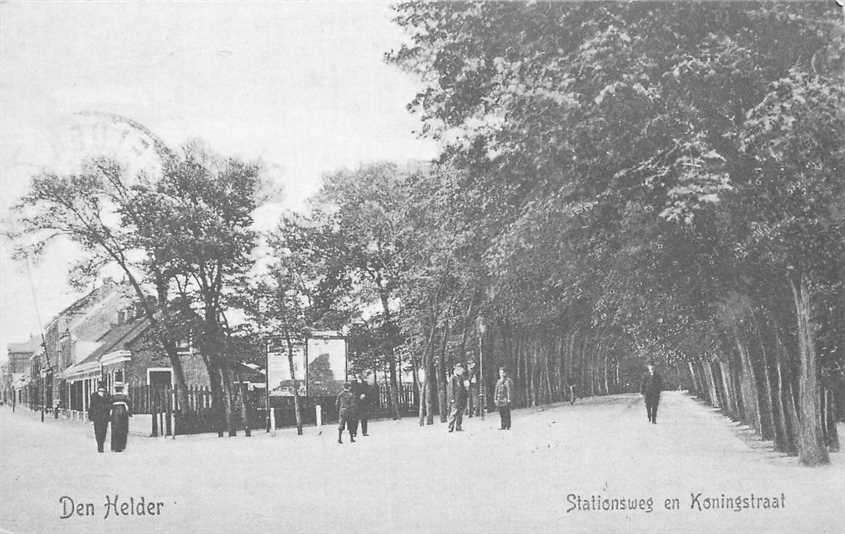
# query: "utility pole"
482,388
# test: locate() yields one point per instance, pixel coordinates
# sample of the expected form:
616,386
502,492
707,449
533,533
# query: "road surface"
408,479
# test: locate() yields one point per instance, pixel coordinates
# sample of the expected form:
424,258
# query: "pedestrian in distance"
121,411
503,397
652,385
364,396
572,393
459,387
99,406
472,397
346,413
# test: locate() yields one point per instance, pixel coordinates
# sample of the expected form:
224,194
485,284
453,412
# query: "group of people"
462,392
354,403
353,407
115,409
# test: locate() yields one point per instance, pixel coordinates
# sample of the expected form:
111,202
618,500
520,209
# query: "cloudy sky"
303,86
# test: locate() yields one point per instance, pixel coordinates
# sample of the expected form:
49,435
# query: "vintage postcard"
419,267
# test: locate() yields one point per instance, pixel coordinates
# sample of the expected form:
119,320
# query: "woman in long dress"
120,413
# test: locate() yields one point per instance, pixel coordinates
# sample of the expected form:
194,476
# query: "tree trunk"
226,377
442,400
245,408
782,441
425,411
165,340
391,359
748,385
217,401
830,421
811,450
296,408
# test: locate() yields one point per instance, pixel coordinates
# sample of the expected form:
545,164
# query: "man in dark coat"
472,393
347,418
365,396
121,411
458,386
503,397
99,406
652,385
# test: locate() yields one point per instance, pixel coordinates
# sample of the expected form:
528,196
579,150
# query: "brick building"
128,353
16,371
102,336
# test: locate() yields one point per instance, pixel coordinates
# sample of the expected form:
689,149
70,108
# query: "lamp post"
482,387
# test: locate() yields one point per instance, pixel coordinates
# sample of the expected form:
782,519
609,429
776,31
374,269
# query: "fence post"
168,413
173,413
154,418
319,414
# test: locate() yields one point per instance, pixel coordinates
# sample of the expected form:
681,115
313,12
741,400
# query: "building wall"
19,362
145,356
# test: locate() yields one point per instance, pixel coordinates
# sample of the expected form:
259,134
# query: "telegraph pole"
46,364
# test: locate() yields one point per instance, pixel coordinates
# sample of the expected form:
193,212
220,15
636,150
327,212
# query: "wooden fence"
199,415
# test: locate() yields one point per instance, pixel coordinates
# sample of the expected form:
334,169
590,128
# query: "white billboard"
278,370
326,365
319,366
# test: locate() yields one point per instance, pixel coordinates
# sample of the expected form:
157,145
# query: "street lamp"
483,396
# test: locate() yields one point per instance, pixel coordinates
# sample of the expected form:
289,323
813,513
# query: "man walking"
346,413
364,395
99,406
503,399
651,386
472,397
459,398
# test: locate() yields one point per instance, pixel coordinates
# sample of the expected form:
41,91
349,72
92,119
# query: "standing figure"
99,406
572,393
121,411
364,396
459,398
472,398
347,418
651,386
503,398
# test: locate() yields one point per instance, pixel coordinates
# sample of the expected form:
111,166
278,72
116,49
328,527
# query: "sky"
301,86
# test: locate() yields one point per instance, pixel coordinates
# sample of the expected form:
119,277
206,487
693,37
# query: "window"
160,378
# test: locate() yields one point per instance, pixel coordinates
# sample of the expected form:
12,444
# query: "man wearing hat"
99,407
651,386
459,398
346,411
365,395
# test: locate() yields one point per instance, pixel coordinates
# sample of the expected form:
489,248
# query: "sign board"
278,370
319,366
326,365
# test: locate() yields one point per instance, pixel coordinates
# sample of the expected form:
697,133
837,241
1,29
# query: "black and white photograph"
400,267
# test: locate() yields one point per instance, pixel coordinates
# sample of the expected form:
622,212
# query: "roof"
117,338
30,346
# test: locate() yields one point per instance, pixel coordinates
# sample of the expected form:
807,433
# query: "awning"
112,358
82,371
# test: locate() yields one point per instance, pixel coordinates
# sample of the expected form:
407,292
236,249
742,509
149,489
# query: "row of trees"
617,182
660,180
